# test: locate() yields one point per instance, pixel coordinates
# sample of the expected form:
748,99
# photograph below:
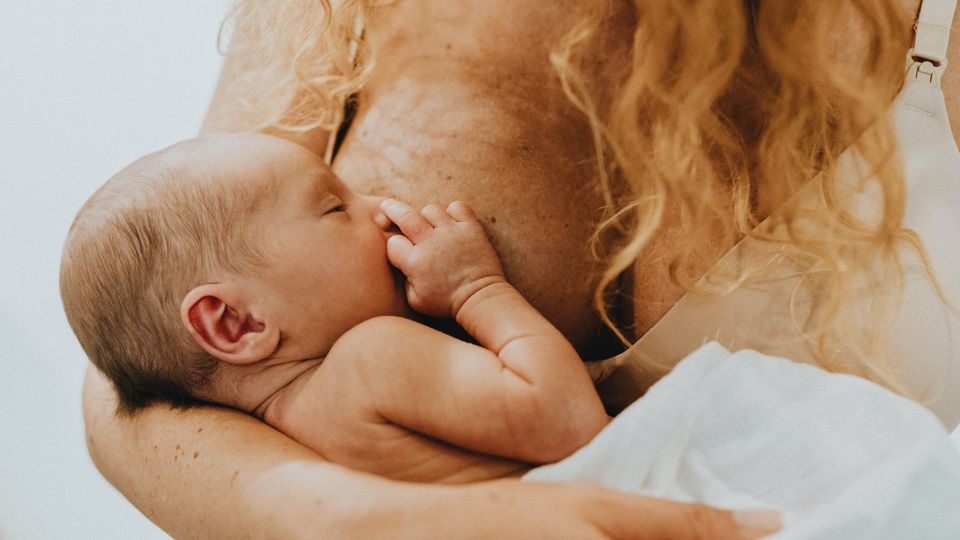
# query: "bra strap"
933,31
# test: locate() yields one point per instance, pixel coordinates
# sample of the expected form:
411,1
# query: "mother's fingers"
644,517
513,509
413,225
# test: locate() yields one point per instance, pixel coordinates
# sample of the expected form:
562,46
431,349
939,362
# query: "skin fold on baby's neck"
260,390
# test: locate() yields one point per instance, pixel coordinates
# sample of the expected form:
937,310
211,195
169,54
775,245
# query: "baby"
238,269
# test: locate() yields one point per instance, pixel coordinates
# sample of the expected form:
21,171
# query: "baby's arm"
545,396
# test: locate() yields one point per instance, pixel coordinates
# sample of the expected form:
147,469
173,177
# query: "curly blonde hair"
744,104
741,105
296,62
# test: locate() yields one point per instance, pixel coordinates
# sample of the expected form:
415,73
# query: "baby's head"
216,255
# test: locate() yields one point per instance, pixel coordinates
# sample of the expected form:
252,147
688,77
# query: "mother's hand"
210,472
513,509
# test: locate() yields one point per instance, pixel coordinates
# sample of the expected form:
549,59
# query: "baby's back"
332,410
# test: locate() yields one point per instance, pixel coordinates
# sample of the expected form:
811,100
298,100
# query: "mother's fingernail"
757,523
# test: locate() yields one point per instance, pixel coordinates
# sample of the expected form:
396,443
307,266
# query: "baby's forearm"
528,384
501,319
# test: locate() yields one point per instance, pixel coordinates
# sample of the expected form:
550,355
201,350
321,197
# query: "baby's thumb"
399,248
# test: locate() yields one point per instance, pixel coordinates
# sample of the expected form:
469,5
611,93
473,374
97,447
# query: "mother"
614,151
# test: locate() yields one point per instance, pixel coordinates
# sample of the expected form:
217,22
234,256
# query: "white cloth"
840,457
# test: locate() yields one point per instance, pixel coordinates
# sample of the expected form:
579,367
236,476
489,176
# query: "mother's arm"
209,471
215,473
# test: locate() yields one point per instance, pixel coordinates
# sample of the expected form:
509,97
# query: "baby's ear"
219,320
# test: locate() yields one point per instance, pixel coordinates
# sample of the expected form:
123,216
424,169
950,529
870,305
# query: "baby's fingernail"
756,523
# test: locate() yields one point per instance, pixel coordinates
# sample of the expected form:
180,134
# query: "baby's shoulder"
373,335
379,328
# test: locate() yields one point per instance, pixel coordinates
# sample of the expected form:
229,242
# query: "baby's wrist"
478,292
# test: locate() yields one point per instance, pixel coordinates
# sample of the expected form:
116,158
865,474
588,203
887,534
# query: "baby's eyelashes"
331,204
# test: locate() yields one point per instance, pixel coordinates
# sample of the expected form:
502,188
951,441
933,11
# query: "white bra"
925,347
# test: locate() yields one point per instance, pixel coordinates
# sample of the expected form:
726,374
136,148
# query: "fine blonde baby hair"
136,247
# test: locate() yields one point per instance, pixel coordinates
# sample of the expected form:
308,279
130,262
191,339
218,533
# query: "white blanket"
839,456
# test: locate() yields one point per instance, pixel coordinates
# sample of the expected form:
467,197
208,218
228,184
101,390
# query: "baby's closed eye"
331,204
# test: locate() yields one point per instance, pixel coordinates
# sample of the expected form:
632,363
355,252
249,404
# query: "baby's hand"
445,255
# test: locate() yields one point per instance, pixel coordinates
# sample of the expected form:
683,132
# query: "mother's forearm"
210,472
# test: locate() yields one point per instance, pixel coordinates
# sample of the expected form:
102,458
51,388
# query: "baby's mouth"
399,282
398,278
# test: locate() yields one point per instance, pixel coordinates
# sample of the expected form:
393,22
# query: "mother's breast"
512,148
464,104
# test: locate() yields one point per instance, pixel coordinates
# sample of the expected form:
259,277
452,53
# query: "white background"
85,88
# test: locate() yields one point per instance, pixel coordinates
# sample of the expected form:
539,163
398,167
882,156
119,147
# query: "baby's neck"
272,407
260,390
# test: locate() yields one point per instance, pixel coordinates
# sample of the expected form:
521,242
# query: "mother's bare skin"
453,114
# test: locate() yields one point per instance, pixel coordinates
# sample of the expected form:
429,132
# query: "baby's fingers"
411,223
399,249
435,215
461,212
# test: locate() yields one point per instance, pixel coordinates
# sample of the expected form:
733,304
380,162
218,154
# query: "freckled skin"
451,115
